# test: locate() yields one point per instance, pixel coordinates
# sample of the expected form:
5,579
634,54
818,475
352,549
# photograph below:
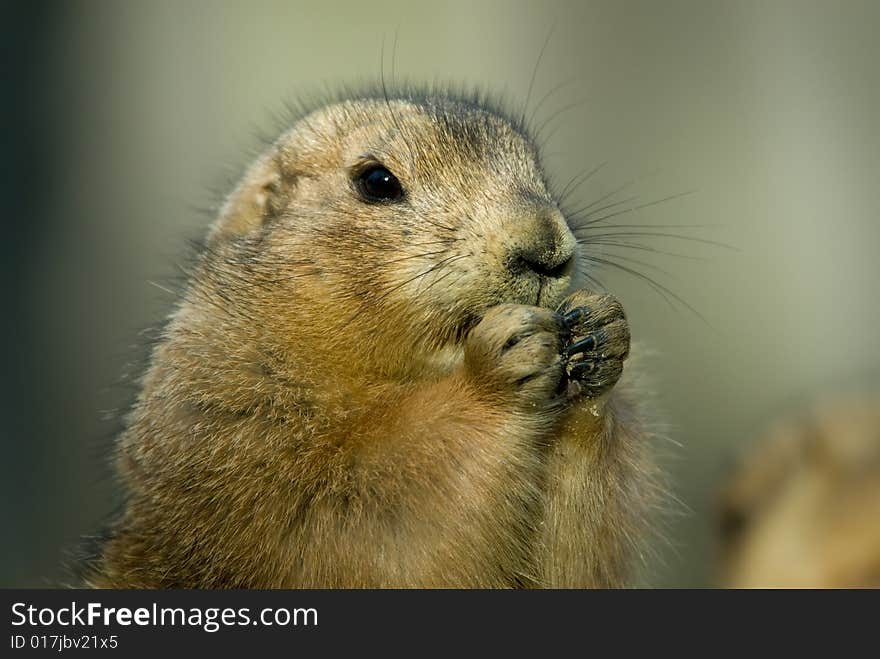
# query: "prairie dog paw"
597,344
516,349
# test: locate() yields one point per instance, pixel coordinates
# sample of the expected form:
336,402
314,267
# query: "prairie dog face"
417,215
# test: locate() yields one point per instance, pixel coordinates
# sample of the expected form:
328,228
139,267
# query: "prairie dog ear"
260,195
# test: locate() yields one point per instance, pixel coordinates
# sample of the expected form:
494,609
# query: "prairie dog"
803,508
384,373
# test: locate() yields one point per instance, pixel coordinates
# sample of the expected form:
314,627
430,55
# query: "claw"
574,316
587,344
582,368
564,329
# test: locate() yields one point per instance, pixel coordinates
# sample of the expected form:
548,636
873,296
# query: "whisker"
445,275
630,245
423,273
655,226
581,179
388,105
437,224
666,298
535,75
416,256
653,283
644,264
604,197
442,241
162,288
577,214
394,57
655,234
639,207
546,122
435,268
547,96
595,280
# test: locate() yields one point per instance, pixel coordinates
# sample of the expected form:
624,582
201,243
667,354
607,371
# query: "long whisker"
445,275
163,288
595,280
423,273
546,122
394,58
436,267
654,226
644,264
437,224
651,282
638,208
576,215
546,98
666,298
639,246
656,234
442,241
583,178
535,75
390,109
417,256
603,198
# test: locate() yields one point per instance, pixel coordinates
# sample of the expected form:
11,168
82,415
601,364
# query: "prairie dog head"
403,220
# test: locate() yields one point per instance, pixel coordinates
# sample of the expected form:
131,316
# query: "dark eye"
376,183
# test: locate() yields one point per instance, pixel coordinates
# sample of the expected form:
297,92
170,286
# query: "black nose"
546,263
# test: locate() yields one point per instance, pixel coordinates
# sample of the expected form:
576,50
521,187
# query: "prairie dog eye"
377,184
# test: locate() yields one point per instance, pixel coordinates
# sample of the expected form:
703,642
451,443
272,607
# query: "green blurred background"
122,118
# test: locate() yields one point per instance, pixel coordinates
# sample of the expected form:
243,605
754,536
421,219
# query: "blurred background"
124,118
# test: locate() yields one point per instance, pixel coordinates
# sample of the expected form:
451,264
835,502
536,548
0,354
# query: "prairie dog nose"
545,246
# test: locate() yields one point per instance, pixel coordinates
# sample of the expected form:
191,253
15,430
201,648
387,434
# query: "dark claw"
582,368
574,316
564,330
587,344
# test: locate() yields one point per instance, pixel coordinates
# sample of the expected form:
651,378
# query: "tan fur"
325,410
803,510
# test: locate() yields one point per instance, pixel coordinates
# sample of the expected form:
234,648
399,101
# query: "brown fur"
803,510
369,395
